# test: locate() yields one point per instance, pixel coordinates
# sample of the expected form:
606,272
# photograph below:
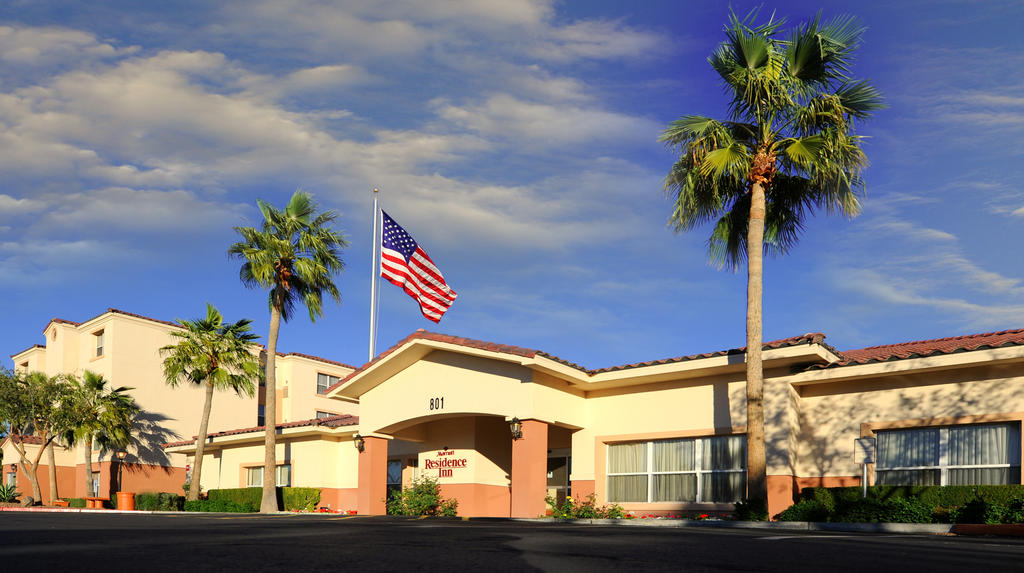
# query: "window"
394,476
99,343
320,415
254,477
94,485
284,475
261,414
325,381
12,478
956,455
709,469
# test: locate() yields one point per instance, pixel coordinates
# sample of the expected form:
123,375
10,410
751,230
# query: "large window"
325,381
958,455
709,469
261,414
254,476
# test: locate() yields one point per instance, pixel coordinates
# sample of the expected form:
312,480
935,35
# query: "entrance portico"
444,413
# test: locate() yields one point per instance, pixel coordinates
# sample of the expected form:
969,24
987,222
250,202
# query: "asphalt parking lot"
209,542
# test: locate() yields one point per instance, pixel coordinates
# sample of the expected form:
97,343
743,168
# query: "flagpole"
375,242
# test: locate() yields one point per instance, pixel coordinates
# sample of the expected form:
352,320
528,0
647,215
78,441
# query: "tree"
788,148
99,415
34,404
216,356
293,255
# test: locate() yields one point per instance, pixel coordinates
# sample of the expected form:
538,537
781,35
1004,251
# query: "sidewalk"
964,529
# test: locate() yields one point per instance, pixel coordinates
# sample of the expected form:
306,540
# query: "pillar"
530,470
373,477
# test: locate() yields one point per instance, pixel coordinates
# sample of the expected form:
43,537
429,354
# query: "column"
530,470
373,477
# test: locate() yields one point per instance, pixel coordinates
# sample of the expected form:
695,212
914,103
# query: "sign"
446,463
864,450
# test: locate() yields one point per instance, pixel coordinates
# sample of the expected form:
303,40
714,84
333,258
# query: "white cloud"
40,45
543,125
13,206
598,39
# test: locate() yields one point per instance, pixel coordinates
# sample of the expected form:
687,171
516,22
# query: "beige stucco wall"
317,461
297,376
831,414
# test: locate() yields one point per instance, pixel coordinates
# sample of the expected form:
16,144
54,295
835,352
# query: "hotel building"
661,437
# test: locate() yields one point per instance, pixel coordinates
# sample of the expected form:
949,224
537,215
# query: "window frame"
698,471
331,381
100,336
942,446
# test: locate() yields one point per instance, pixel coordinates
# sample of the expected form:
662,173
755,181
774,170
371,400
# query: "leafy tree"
34,404
216,356
293,255
788,148
99,415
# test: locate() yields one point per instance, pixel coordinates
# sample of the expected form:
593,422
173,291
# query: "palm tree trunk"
87,451
50,459
269,501
757,478
197,465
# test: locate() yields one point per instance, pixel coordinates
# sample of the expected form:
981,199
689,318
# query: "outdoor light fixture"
359,442
516,427
121,455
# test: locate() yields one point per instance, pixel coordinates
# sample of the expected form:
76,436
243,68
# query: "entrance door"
559,468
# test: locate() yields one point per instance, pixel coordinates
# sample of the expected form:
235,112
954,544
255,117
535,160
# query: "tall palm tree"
216,356
293,255
100,415
788,148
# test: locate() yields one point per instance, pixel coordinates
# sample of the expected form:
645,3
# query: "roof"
31,440
337,421
810,338
33,347
933,347
318,359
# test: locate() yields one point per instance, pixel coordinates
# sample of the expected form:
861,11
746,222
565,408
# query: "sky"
516,141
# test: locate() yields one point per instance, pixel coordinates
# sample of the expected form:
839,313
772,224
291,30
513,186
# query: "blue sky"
516,141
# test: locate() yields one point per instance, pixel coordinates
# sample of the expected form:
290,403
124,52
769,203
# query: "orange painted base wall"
65,483
479,500
340,499
582,488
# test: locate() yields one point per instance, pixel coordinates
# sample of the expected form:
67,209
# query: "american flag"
406,264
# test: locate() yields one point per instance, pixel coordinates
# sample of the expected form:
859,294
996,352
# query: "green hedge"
162,501
76,502
220,506
299,498
910,504
289,498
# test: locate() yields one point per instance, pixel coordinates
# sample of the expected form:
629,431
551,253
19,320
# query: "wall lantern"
121,455
14,467
359,442
516,427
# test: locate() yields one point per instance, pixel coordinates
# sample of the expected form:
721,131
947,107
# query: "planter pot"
126,501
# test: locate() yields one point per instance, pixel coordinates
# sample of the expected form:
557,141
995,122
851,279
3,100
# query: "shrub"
9,493
300,498
76,502
982,511
241,495
220,506
163,501
585,509
893,510
752,510
423,498
805,510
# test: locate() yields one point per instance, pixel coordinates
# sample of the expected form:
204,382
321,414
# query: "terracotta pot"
126,501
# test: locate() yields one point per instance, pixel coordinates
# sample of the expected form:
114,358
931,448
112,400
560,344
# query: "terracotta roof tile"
810,338
31,440
317,358
34,346
329,421
933,347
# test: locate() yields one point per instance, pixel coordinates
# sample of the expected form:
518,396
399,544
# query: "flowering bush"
585,509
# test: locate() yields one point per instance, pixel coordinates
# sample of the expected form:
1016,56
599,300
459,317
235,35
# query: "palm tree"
293,255
216,356
100,415
788,148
